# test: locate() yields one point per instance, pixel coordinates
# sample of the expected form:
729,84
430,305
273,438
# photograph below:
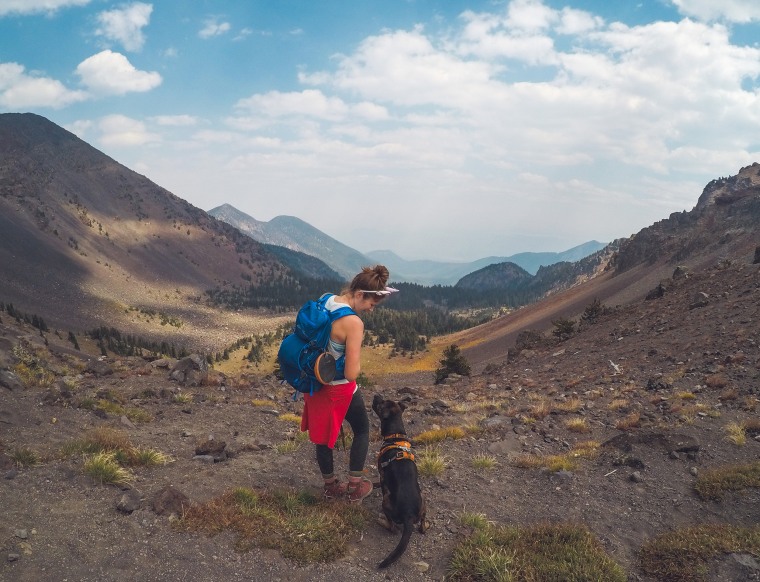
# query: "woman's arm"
354,328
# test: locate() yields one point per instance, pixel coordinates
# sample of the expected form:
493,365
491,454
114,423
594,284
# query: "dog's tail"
402,544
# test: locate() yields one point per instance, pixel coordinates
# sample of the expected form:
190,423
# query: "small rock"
422,566
636,477
204,458
21,534
129,502
13,557
170,500
563,475
693,471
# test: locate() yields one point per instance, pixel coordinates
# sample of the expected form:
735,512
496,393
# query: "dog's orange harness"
402,447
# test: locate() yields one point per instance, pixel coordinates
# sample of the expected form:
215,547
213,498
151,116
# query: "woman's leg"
325,460
356,416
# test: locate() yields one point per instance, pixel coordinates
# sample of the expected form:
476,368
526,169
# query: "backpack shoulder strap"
336,313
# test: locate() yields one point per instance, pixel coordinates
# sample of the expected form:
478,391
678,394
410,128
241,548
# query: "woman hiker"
341,399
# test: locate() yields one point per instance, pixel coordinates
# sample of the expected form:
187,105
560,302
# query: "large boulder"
190,371
7,359
10,381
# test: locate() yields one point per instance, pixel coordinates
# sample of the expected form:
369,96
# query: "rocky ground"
655,383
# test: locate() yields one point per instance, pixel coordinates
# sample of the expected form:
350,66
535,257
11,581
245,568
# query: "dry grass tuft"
32,369
570,405
437,435
541,552
105,468
431,462
109,451
684,555
554,463
540,410
715,483
631,421
483,461
736,433
25,457
579,425
290,417
295,523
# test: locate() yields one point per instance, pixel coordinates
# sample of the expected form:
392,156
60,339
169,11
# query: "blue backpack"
304,361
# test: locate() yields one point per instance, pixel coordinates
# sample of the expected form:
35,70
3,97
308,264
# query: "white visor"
381,293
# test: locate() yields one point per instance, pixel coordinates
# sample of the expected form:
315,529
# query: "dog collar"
397,435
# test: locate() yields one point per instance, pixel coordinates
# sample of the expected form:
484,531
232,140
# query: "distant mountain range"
443,273
295,234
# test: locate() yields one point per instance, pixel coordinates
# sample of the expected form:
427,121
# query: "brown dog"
403,503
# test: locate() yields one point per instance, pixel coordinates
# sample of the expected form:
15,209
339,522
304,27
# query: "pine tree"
452,362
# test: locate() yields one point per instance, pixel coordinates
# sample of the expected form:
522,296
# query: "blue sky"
438,129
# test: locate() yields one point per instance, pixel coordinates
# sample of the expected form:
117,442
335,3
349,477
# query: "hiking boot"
358,490
335,489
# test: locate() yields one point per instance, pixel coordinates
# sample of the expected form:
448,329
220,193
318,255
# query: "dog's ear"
402,405
377,402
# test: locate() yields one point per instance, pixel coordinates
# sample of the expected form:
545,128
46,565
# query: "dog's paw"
383,520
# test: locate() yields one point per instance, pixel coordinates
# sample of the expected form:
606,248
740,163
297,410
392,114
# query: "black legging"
356,416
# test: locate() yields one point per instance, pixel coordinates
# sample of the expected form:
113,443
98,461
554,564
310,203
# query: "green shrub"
452,362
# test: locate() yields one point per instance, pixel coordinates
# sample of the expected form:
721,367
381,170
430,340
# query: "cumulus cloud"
22,90
120,131
110,73
125,25
739,11
311,103
175,120
405,68
37,6
212,27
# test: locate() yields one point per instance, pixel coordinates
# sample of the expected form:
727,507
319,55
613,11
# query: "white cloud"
22,90
80,128
125,25
243,34
37,6
405,68
487,37
529,16
739,11
120,131
578,21
310,103
175,120
110,73
524,33
212,27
